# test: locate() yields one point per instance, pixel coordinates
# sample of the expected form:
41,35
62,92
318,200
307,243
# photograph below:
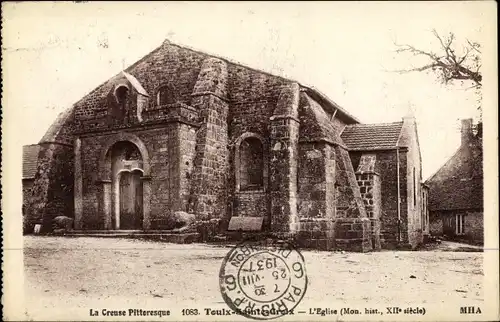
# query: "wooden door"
131,211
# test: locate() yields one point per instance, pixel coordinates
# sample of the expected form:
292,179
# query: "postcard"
213,161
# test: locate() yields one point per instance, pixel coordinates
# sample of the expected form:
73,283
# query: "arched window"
164,95
121,93
251,165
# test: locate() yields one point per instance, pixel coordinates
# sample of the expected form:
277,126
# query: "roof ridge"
375,124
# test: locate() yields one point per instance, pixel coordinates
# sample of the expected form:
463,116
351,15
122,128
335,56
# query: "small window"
121,93
414,189
251,164
164,96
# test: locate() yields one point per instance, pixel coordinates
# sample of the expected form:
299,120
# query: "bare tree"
449,63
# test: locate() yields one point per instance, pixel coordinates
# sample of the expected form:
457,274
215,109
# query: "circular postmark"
263,283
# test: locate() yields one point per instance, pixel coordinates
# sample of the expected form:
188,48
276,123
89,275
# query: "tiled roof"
372,136
30,156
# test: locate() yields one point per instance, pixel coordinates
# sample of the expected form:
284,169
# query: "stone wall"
331,210
370,190
27,186
444,222
352,226
283,160
386,167
251,204
474,226
316,195
412,177
168,65
52,190
253,98
435,224
211,163
165,162
392,235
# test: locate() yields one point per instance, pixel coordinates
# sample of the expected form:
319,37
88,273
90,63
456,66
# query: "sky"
55,53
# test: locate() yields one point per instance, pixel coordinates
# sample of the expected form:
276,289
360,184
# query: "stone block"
245,224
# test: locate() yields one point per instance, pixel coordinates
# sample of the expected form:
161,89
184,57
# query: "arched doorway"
127,186
123,152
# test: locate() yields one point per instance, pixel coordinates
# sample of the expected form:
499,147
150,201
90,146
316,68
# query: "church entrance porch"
122,186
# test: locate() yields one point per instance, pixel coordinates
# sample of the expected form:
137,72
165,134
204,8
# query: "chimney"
466,131
409,118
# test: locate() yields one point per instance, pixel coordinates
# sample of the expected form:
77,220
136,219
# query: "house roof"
458,184
372,136
30,157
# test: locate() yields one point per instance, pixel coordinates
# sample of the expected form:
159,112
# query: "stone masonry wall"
435,224
316,195
165,154
474,226
386,167
253,98
52,191
445,221
369,187
210,174
168,65
283,161
412,177
352,226
252,204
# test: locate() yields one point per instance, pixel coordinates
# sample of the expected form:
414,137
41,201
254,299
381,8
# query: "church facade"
240,149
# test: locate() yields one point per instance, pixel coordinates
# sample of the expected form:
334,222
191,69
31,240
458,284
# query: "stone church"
240,149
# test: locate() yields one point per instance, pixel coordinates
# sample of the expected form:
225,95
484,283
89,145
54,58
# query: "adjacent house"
456,190
240,149
389,172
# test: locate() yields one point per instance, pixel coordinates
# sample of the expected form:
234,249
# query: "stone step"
160,235
123,232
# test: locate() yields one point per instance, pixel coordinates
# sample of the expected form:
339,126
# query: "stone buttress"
370,190
283,161
208,194
331,211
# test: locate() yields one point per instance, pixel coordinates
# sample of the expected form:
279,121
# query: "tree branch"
418,69
448,66
474,46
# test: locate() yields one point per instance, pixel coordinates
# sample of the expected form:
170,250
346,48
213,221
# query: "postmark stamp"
263,283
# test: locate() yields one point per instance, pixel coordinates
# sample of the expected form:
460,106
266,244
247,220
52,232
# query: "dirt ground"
82,273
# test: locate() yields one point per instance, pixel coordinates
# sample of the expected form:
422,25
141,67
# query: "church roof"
377,136
30,157
311,91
